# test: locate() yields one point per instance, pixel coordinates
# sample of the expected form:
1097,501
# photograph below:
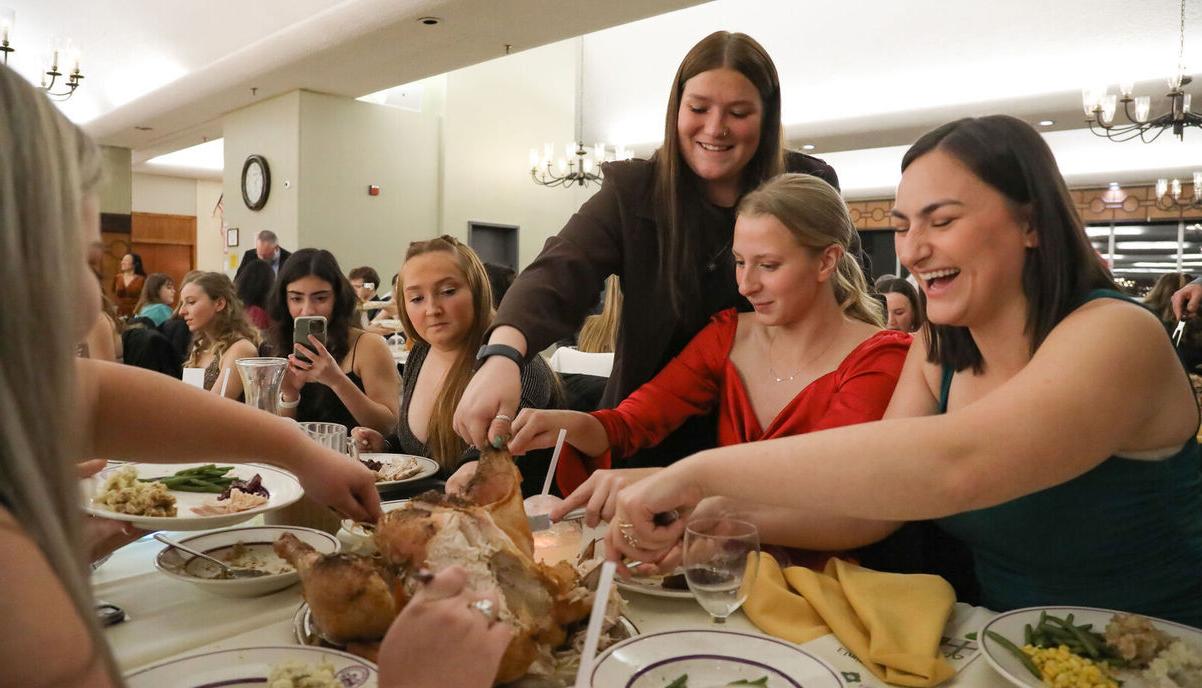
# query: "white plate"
249,667
1010,626
428,467
356,537
283,486
389,323
652,586
710,658
184,567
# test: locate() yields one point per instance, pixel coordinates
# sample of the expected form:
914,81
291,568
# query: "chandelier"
580,165
1100,106
63,53
1169,196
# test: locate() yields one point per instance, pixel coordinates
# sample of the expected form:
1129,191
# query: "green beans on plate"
207,478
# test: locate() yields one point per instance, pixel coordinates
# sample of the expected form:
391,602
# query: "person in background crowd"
365,281
253,285
447,308
59,411
664,226
1160,301
883,279
267,248
811,356
599,333
221,334
903,305
351,379
500,278
1040,395
158,296
128,283
103,342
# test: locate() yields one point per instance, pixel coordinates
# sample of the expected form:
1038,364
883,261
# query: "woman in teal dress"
1043,418
158,296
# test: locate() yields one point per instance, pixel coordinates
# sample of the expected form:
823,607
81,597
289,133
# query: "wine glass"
721,557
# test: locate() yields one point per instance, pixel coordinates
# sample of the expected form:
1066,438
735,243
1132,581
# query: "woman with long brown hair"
446,309
221,334
664,226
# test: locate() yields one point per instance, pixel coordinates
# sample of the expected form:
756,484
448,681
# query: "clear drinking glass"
261,379
720,558
328,435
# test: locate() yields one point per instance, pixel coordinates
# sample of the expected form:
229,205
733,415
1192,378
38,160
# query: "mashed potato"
300,675
123,494
1178,666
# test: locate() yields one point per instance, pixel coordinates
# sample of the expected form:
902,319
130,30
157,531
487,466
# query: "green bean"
680,682
1017,652
1088,644
1028,636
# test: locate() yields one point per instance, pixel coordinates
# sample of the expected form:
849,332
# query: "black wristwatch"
500,350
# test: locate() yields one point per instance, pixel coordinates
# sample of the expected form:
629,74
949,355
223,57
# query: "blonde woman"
60,410
599,334
810,355
447,307
221,334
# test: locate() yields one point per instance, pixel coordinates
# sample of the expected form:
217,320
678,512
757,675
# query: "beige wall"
271,129
156,193
115,191
346,145
495,113
211,253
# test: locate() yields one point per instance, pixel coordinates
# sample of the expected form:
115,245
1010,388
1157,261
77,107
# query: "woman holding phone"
337,373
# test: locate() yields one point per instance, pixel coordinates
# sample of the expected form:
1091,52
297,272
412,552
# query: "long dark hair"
1010,156
898,285
322,265
138,269
678,192
151,288
254,283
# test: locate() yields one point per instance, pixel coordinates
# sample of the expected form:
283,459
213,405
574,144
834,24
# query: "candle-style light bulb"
1162,187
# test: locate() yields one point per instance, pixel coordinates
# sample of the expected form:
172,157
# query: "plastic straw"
600,602
554,462
225,380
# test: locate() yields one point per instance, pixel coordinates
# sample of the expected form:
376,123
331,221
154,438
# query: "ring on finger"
625,528
502,416
486,608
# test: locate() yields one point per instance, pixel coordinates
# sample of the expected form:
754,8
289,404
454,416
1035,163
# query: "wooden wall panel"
167,243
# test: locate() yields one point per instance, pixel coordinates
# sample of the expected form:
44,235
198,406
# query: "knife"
540,522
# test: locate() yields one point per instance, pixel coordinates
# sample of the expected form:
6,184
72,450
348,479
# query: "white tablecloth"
169,618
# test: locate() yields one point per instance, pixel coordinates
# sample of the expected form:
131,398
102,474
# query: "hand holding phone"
307,325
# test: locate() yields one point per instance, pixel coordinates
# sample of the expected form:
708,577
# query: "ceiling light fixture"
1100,106
1169,196
808,147
63,50
1046,122
580,165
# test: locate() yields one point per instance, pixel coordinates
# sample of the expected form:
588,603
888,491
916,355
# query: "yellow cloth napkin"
891,622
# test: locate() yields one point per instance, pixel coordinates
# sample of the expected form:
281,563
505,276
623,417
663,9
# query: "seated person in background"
1042,402
103,342
812,355
499,279
447,308
158,296
175,329
253,285
221,334
1159,300
903,305
584,377
351,379
599,333
365,281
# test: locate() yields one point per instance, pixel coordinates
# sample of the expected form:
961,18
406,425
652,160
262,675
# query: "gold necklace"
790,378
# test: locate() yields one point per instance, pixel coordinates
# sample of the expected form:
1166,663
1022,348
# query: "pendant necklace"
789,378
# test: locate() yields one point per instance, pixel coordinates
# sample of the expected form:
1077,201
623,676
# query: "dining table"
167,619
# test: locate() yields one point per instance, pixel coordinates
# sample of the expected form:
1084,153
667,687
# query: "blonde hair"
445,445
814,212
228,327
599,334
49,164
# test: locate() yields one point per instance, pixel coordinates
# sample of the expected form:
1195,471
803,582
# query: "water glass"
720,558
328,435
261,379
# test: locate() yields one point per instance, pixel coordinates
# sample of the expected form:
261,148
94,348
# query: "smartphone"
307,325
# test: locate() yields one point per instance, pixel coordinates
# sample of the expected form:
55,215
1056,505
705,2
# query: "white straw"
554,461
225,380
600,602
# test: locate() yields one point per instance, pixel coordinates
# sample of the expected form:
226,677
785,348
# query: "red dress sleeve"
689,385
866,381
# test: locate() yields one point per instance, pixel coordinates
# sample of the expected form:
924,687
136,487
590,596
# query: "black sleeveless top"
319,403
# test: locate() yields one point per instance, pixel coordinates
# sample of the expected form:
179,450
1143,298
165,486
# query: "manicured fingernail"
498,441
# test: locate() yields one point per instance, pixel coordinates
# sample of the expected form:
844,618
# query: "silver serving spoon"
230,571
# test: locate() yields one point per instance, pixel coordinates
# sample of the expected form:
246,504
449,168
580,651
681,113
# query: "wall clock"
256,182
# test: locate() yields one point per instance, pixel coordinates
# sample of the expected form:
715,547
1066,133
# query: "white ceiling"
860,78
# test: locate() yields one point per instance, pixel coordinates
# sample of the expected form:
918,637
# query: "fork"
1178,332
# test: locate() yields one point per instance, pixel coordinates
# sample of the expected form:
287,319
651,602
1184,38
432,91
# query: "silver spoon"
231,571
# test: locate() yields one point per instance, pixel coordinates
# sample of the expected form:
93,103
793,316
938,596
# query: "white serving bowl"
257,539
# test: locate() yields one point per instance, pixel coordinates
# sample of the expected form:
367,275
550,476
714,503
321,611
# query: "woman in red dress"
811,354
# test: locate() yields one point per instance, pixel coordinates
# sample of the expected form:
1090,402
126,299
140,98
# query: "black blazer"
251,253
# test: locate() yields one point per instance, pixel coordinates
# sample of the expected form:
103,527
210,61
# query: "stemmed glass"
721,558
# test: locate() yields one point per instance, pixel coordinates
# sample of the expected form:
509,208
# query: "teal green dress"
158,312
1125,535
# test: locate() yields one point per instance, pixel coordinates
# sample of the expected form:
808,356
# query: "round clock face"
256,182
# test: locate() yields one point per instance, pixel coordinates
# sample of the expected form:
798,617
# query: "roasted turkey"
485,531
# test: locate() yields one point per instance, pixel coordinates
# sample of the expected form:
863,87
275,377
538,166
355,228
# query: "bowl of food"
246,547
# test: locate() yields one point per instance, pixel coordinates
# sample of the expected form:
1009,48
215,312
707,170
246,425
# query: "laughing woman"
1044,420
